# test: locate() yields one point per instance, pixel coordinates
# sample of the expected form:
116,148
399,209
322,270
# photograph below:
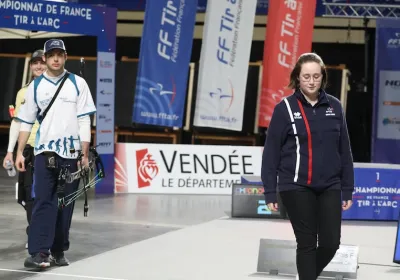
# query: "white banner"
105,102
183,169
224,63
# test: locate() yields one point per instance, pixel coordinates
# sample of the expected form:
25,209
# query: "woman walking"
307,156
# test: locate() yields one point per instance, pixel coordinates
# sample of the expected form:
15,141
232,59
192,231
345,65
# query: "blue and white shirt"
59,130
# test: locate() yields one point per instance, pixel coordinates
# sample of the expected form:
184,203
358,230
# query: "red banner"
288,22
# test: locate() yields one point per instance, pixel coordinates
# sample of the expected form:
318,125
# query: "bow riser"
84,174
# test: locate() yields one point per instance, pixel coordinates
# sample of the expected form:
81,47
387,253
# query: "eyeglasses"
307,78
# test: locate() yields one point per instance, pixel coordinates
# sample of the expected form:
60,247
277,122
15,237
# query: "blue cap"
54,44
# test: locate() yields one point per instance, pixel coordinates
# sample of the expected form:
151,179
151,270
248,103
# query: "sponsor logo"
158,88
105,144
147,168
329,112
297,115
104,118
105,64
55,43
105,80
225,98
171,164
387,121
249,191
394,42
395,84
103,92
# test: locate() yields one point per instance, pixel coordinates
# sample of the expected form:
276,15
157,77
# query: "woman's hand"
346,205
8,157
273,206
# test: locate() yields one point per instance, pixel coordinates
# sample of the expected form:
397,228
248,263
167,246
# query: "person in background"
307,156
25,179
63,131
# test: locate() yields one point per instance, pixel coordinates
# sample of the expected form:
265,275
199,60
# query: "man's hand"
84,162
346,205
273,206
20,162
8,157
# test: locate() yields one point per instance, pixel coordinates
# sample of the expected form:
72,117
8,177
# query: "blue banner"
52,16
376,195
386,108
165,53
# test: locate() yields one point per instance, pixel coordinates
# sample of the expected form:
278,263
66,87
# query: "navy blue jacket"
307,146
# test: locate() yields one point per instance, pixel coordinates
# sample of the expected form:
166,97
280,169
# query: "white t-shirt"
59,130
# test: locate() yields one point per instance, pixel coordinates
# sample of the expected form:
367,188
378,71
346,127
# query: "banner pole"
260,76
366,54
189,97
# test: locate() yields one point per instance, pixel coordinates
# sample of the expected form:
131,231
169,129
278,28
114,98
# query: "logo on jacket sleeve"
297,115
330,112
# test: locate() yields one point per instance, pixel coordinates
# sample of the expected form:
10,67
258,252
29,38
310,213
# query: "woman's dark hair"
304,58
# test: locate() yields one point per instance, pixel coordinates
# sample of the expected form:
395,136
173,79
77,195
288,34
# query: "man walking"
67,115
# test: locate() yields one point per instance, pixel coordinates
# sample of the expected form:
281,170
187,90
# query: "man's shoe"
59,259
38,260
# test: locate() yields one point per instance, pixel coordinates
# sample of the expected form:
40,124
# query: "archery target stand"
89,20
277,258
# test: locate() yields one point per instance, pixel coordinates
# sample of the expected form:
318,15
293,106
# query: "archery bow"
83,173
65,177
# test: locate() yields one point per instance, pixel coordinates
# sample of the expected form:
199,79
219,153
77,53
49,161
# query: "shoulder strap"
55,95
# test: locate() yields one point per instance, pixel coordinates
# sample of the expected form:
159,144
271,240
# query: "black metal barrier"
248,201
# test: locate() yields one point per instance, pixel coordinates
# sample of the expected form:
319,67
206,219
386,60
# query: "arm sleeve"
85,100
84,128
271,155
347,172
15,124
18,101
27,112
13,137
